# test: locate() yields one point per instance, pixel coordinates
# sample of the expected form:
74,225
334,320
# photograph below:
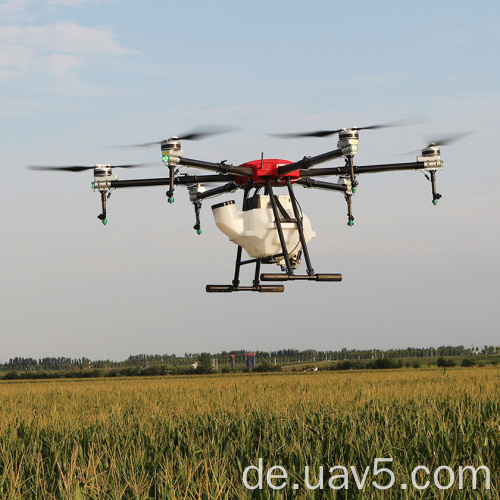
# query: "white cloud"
76,3
60,65
12,11
67,37
53,49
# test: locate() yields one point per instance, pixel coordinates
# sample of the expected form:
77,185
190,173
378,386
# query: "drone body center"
267,168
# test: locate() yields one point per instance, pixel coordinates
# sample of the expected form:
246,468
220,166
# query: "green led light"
199,231
354,147
354,190
435,202
350,223
171,199
165,158
105,221
92,185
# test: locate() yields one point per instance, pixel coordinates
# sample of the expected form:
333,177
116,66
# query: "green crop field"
195,437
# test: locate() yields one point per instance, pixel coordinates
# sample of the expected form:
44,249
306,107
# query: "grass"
192,437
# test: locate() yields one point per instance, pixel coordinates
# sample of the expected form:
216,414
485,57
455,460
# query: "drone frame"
269,173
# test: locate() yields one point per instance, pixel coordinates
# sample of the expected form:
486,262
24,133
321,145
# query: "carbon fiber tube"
309,161
307,277
165,181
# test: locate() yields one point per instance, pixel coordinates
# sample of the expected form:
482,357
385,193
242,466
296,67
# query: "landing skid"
289,275
257,288
309,277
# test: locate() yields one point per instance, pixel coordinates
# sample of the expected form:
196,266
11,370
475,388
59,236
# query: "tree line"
225,358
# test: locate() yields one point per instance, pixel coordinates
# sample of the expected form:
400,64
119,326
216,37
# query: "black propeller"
79,168
326,133
438,141
446,140
194,135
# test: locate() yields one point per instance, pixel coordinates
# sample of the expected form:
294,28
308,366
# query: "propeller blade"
447,140
135,165
144,145
73,168
326,133
80,168
318,133
194,135
443,140
206,131
416,120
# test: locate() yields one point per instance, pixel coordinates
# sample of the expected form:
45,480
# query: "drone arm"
368,169
227,188
431,164
321,172
312,183
372,169
221,167
390,167
309,161
165,181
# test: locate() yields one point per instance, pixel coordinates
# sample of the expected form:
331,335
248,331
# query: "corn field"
194,437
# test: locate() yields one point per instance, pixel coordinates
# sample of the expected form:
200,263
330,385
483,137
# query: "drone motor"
171,154
103,175
171,151
348,138
431,160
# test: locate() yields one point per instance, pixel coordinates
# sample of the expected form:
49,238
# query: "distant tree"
204,363
265,366
445,363
467,362
346,365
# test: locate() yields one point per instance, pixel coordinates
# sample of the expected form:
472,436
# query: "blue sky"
79,76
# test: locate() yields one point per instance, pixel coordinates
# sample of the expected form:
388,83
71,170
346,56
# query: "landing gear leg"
197,207
235,286
236,280
281,236
300,228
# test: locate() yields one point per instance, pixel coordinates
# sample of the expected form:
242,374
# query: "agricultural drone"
270,228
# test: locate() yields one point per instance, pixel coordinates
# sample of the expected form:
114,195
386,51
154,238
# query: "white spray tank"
255,230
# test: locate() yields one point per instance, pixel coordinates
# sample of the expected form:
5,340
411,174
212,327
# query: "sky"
80,76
